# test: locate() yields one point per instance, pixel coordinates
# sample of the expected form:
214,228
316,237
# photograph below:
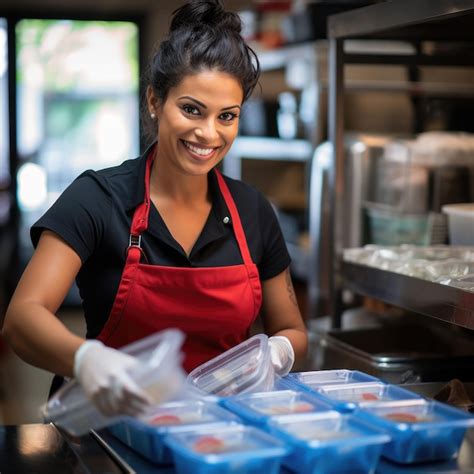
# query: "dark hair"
202,35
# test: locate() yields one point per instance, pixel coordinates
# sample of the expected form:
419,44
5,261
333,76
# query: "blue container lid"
260,407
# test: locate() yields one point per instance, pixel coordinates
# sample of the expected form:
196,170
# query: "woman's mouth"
199,151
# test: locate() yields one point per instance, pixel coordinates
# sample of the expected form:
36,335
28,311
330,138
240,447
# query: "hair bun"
205,13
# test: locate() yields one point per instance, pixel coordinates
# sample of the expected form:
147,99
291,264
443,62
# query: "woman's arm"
31,326
281,315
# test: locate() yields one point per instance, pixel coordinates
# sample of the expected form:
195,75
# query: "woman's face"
198,121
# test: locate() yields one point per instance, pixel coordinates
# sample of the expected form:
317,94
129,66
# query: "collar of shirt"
218,223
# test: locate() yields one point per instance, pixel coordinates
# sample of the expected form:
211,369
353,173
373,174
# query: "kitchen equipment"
361,153
399,353
460,223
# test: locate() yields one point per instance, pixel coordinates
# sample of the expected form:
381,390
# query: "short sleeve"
275,256
79,216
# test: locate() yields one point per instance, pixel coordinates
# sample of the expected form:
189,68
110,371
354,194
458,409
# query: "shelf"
278,58
264,148
407,19
421,296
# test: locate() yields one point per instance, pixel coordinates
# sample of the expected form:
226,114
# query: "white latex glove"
282,354
102,373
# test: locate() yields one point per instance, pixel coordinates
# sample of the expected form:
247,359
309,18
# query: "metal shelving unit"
401,20
443,302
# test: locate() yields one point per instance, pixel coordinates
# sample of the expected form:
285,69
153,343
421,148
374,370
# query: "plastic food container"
460,223
230,449
259,408
146,435
159,372
421,430
319,378
350,396
329,442
244,368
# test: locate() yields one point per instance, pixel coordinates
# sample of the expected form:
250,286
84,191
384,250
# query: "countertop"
42,448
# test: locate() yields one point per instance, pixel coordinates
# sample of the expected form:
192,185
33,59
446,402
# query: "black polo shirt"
94,215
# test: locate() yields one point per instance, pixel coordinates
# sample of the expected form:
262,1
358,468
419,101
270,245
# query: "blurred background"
70,99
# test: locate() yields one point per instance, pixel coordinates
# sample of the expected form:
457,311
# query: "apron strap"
236,223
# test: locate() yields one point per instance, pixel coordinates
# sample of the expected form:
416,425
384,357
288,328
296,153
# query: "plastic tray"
230,449
259,408
244,368
329,442
421,430
146,435
350,396
318,378
159,372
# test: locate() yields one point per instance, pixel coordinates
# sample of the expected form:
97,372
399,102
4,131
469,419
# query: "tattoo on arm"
289,287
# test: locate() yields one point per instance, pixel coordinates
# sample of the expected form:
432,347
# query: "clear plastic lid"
418,414
331,377
244,368
322,428
184,413
360,394
159,372
222,442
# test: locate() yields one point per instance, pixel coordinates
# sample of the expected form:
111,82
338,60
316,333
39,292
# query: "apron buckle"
135,241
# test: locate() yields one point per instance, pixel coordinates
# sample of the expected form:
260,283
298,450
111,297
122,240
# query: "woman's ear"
152,102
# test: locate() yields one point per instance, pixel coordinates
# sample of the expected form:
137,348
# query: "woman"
163,240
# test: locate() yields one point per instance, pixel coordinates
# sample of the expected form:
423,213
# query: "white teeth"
199,151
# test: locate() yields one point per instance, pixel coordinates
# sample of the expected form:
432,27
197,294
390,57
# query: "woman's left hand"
282,354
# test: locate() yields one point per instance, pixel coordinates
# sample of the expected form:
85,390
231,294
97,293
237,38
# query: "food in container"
146,434
350,396
329,442
420,430
230,449
245,368
259,408
318,378
159,372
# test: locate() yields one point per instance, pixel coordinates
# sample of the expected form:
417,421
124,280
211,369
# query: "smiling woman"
164,240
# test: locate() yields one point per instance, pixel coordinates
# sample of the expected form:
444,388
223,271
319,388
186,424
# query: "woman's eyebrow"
204,106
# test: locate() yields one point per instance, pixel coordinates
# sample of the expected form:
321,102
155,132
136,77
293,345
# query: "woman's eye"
228,116
190,109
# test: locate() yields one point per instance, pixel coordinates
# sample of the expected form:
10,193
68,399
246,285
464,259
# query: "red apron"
214,306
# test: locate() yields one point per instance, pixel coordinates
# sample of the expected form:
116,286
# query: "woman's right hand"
102,373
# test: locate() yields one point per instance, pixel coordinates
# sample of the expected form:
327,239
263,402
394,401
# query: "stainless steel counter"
40,449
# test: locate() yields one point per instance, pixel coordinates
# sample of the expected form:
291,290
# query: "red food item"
302,407
208,444
369,396
402,417
165,420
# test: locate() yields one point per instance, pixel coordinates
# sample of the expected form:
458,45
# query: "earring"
152,115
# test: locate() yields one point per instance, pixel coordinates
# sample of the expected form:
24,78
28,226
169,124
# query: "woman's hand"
102,373
282,354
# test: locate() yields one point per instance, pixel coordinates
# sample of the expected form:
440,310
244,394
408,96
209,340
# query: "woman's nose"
207,131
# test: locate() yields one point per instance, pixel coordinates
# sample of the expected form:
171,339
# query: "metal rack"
402,20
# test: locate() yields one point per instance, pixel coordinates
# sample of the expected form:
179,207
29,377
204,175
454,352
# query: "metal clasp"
135,241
